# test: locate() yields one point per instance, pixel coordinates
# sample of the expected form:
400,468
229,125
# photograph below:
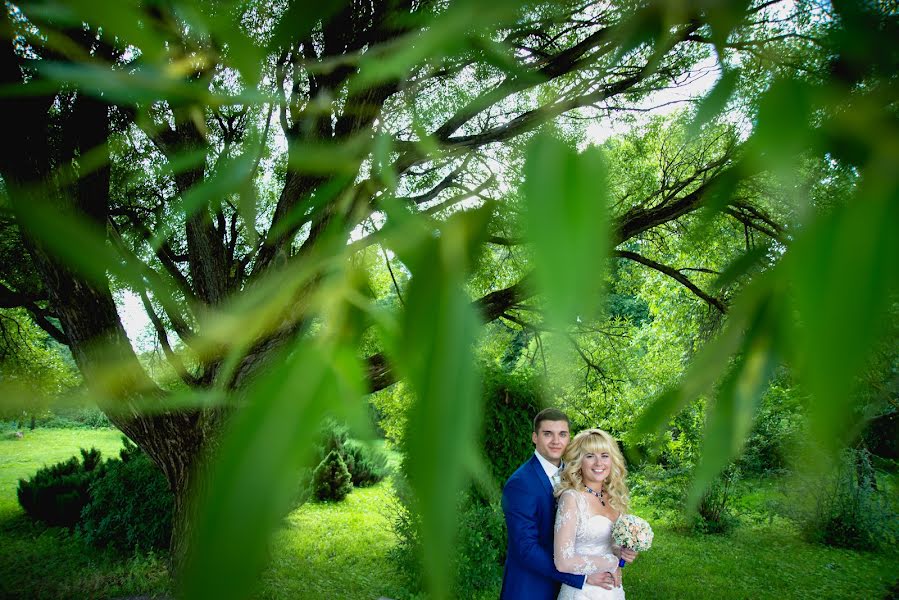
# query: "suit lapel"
541,475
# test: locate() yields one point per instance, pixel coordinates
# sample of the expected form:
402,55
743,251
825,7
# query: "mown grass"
341,550
755,561
335,550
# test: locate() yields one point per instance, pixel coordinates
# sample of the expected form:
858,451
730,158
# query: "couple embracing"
559,507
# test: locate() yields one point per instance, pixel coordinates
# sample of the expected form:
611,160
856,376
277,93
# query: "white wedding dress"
583,545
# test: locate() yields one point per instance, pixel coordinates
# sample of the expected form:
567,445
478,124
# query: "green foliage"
121,503
57,494
714,513
481,548
161,150
367,465
130,507
87,417
665,492
331,480
772,445
476,564
511,400
846,507
35,370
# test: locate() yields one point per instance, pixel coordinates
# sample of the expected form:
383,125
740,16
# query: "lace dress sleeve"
567,527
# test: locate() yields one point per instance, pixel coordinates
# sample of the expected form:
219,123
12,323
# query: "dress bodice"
583,544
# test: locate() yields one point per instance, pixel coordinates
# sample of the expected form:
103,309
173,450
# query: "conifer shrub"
130,506
57,494
367,465
331,480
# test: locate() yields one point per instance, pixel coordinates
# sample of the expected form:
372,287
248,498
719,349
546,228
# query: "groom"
530,510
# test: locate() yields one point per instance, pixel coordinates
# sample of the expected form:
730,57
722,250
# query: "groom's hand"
628,555
603,579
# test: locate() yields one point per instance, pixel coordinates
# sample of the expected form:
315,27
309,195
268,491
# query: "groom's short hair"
549,414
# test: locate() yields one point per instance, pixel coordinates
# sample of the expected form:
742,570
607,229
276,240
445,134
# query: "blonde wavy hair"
596,441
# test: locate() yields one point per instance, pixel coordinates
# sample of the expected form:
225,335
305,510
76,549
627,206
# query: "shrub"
774,435
477,564
847,507
367,465
715,511
83,417
481,543
57,494
511,400
666,489
130,506
331,479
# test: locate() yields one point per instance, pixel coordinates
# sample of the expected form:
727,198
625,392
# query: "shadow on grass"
51,562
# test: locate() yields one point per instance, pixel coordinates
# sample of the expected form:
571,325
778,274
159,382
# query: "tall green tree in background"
236,163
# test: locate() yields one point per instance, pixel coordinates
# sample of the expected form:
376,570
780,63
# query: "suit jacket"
530,510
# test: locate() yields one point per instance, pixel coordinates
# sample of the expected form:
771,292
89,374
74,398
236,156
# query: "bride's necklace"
597,494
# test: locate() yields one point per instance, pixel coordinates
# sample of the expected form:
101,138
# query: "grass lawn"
340,551
335,550
47,562
761,561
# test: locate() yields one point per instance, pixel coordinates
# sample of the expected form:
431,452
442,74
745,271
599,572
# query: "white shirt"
551,470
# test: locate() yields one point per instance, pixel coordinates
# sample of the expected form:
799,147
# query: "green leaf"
783,132
730,417
567,221
300,18
714,102
845,280
711,362
231,176
255,471
440,327
723,18
127,21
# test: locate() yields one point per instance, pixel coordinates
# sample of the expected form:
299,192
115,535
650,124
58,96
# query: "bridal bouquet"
632,532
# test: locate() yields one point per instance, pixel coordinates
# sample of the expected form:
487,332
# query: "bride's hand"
602,579
628,555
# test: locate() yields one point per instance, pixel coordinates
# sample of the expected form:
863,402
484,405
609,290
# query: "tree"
230,161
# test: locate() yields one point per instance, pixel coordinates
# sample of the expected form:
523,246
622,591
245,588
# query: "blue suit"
530,510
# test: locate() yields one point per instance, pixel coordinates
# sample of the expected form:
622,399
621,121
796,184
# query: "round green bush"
57,494
331,479
130,507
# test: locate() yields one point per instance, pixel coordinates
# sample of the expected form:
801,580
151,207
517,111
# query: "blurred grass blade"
743,265
299,18
723,18
567,221
255,471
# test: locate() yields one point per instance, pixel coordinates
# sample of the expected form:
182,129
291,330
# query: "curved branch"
674,274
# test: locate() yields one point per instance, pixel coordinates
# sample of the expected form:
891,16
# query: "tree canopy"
245,167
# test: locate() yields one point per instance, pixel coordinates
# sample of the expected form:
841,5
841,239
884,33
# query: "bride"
592,494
